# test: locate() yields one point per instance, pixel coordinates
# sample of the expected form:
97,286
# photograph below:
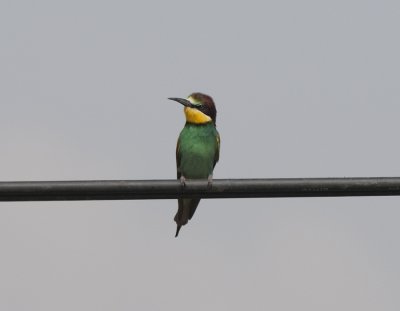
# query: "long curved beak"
182,101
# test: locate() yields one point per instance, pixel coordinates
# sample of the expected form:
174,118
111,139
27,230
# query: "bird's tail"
186,209
178,228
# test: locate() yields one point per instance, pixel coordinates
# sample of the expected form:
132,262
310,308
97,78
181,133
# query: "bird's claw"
209,182
182,179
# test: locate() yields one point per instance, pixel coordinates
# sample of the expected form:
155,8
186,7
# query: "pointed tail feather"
180,217
178,228
186,209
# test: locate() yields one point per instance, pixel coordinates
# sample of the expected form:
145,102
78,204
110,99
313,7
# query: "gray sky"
303,89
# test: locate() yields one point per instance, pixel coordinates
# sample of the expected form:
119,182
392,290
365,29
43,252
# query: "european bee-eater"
197,150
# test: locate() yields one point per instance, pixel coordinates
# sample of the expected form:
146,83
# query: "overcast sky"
302,88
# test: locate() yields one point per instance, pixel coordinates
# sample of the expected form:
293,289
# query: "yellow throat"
195,116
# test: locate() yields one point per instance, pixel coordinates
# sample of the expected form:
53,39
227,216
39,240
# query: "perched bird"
197,150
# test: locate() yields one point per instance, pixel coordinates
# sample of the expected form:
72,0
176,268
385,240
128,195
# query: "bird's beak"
182,101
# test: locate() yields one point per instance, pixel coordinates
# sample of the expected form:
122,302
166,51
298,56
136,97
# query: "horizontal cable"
221,188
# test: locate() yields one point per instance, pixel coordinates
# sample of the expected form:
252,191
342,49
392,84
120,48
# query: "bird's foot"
209,182
182,179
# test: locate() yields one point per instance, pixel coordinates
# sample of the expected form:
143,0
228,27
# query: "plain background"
303,89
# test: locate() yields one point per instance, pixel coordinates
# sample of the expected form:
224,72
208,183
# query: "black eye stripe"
205,104
202,108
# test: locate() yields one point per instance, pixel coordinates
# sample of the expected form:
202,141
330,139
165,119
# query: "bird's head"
199,108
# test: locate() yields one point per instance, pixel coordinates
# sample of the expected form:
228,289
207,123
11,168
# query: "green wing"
216,157
178,160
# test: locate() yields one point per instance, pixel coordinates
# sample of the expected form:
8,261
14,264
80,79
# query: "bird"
197,150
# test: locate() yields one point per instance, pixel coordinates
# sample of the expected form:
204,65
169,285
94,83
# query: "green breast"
197,150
